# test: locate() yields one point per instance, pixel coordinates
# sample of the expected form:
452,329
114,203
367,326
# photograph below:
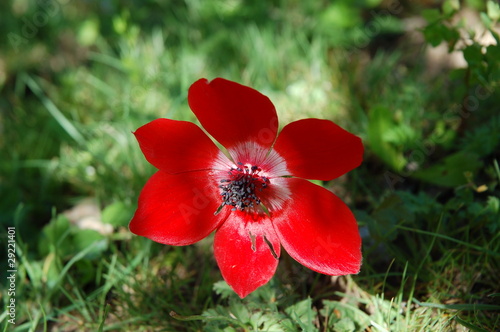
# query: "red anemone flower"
253,194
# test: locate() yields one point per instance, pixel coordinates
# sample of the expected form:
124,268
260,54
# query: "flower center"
241,187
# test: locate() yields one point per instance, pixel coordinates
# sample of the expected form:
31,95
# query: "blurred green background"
418,81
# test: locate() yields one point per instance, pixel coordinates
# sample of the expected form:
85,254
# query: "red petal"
318,149
233,113
177,209
176,146
318,230
244,256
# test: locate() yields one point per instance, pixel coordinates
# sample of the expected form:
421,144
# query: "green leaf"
436,33
50,270
340,15
493,54
56,237
57,229
449,172
117,214
303,314
223,289
86,238
345,325
486,20
492,210
86,271
431,15
89,31
401,134
473,55
450,7
433,35
493,10
241,312
493,205
340,314
380,125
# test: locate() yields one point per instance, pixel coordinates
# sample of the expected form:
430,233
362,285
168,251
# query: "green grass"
426,197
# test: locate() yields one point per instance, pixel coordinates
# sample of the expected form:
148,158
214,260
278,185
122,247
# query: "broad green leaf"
493,205
89,32
117,214
493,54
493,10
340,15
436,33
486,20
473,55
56,237
450,7
449,172
379,127
85,238
431,15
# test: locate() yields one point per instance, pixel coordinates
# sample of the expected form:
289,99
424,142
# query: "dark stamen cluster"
239,189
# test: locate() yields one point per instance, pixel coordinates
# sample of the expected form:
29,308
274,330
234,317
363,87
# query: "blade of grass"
463,307
469,325
71,262
70,129
480,249
175,315
497,169
103,319
414,284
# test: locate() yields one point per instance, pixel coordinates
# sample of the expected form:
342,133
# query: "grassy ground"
76,78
